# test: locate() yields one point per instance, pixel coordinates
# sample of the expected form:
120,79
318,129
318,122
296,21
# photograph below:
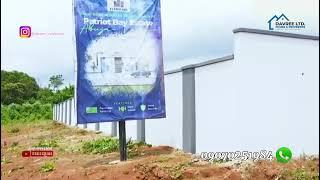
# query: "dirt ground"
157,162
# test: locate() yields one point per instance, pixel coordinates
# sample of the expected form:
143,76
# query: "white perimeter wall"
260,100
168,131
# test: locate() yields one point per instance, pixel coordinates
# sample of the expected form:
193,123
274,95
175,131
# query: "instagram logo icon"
25,31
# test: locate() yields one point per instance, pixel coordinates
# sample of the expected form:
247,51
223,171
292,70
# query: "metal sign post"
122,141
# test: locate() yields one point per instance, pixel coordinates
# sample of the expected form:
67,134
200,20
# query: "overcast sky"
193,31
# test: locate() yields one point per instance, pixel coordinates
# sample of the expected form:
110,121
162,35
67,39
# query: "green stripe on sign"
91,110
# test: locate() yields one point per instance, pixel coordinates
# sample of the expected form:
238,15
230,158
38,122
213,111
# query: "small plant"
5,161
47,143
108,145
299,174
100,146
176,170
13,130
14,144
47,167
82,132
133,147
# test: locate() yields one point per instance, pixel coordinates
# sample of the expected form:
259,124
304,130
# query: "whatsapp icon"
283,155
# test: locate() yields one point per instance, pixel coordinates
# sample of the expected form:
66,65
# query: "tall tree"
56,81
17,87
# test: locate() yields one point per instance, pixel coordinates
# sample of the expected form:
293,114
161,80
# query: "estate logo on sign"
118,5
282,22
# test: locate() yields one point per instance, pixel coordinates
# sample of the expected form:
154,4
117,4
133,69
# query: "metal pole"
122,141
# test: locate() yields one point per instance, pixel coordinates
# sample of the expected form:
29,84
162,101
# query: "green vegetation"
14,144
5,161
17,87
134,146
176,171
56,81
13,130
47,167
25,113
23,100
299,174
43,143
108,145
100,146
20,88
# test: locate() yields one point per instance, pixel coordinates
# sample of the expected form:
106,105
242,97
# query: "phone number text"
237,155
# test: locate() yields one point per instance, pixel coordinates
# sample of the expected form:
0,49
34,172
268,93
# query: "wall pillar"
189,112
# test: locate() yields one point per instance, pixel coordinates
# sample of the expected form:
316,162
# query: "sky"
193,31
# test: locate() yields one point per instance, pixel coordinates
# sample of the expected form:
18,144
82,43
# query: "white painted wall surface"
260,100
215,126
91,126
60,112
280,95
131,130
168,131
64,112
68,112
105,127
73,113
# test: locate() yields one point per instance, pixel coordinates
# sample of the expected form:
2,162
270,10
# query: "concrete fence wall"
263,97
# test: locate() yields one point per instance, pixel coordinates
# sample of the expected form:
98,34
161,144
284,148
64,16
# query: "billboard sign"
119,60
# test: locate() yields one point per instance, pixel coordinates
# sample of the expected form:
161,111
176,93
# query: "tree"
56,81
45,95
64,94
17,87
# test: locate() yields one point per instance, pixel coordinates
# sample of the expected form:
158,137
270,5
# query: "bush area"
43,143
20,88
25,112
109,144
23,100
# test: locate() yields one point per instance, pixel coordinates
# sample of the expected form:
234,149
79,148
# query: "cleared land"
79,154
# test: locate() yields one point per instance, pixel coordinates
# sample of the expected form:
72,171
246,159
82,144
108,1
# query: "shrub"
47,143
108,145
100,146
47,167
25,113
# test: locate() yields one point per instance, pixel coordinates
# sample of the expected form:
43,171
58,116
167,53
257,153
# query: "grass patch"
47,167
14,144
299,174
13,130
16,113
13,126
133,148
82,132
46,143
100,146
5,161
108,145
176,170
